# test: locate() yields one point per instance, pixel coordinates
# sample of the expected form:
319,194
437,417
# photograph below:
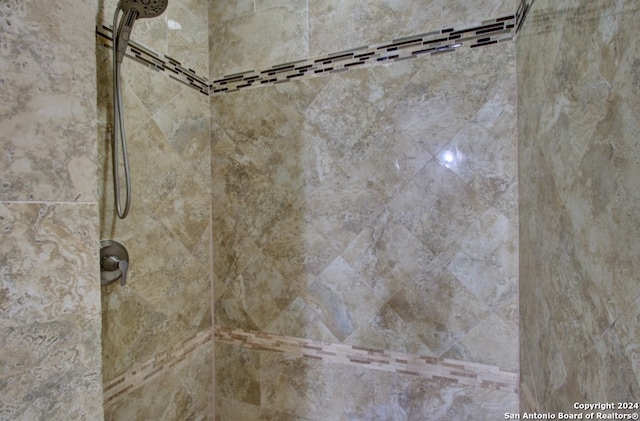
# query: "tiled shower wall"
156,336
49,280
372,209
579,125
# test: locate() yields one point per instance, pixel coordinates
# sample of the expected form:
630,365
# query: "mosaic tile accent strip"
165,64
118,387
433,43
454,371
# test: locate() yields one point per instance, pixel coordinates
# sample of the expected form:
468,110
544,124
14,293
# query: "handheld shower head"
132,10
145,8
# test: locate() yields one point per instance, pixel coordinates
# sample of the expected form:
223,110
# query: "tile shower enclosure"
345,203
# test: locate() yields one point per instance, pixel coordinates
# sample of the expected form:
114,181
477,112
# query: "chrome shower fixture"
131,10
145,8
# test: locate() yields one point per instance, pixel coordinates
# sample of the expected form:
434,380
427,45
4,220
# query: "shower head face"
145,8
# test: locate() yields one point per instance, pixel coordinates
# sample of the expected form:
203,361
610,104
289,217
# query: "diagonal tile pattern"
382,203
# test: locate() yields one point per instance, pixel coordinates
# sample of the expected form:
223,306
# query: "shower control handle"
114,262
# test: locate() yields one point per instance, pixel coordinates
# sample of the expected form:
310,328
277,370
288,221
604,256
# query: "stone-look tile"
186,211
167,299
387,256
49,312
606,372
449,91
404,397
263,292
231,410
386,330
368,22
183,391
437,207
486,259
221,10
332,182
296,249
492,342
268,37
315,390
299,320
486,158
180,32
230,313
238,374
579,198
46,98
341,299
168,296
460,13
234,250
628,330
186,26
438,308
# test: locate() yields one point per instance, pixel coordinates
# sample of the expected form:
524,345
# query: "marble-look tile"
437,207
167,299
238,373
405,397
368,22
460,13
341,299
299,320
221,10
486,158
183,391
492,342
231,410
186,27
230,313
486,259
295,248
387,330
48,109
49,312
579,197
438,307
449,91
605,373
263,292
233,250
315,390
627,329
387,256
268,37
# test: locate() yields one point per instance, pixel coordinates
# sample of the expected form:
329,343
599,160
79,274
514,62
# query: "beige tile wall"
374,208
579,102
50,365
167,299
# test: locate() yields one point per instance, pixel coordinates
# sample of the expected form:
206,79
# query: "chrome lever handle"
114,262
123,265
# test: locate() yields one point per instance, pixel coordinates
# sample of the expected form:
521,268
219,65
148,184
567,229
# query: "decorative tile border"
453,371
117,388
442,41
433,43
169,66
